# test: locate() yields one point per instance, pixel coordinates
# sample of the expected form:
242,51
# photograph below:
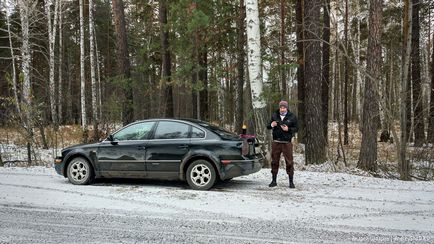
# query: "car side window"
139,131
197,133
171,130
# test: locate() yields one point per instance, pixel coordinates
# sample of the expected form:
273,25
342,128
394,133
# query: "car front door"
165,151
124,154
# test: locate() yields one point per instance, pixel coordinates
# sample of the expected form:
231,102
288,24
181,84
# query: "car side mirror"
111,139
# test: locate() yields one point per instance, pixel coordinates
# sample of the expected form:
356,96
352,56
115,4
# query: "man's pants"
276,150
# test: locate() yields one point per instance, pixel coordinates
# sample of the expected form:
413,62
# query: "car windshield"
224,134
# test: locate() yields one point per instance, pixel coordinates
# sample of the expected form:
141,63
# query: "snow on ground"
346,207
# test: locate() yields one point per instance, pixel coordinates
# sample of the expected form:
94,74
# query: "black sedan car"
184,149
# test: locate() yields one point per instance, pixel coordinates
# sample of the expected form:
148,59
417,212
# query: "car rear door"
167,148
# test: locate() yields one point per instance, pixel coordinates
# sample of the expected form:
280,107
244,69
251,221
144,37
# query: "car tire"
201,175
80,171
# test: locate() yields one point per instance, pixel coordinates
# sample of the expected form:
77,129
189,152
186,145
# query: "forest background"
358,74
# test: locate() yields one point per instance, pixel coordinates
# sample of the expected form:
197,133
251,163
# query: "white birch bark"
26,8
92,66
255,66
254,52
82,77
52,40
60,85
14,72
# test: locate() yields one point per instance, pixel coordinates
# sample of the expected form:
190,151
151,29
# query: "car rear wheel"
79,171
201,175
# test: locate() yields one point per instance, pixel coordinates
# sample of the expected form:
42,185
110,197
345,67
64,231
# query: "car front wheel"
79,171
201,175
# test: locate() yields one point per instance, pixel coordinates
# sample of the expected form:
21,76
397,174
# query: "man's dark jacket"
289,120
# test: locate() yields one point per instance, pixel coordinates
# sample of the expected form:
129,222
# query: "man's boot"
291,183
273,182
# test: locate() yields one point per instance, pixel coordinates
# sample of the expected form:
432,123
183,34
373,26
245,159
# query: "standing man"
284,126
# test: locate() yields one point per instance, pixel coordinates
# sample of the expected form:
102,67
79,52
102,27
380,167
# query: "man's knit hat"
283,104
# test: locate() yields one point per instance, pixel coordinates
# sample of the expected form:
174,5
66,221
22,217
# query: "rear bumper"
241,167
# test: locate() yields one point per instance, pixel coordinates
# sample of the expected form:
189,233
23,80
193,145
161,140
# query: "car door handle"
141,147
183,146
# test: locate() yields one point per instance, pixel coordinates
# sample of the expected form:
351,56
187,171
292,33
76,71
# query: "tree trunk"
123,60
82,76
346,75
282,50
431,107
26,8
14,71
60,97
315,139
52,28
419,134
358,82
326,67
239,101
166,60
255,67
368,151
203,78
301,87
92,41
404,166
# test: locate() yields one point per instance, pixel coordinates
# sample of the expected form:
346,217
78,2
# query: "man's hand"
284,127
273,124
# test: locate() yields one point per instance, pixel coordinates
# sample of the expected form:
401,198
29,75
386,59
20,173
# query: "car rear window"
224,134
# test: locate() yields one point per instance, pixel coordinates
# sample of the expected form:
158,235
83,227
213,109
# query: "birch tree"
95,118
14,72
26,8
60,72
52,27
255,66
82,75
404,166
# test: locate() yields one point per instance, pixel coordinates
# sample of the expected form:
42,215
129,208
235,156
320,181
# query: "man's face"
283,109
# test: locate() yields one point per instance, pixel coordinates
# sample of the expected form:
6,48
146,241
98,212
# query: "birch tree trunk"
51,43
368,150
95,118
26,8
255,66
14,72
60,97
82,76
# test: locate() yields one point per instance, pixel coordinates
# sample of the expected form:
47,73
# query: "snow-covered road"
38,206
